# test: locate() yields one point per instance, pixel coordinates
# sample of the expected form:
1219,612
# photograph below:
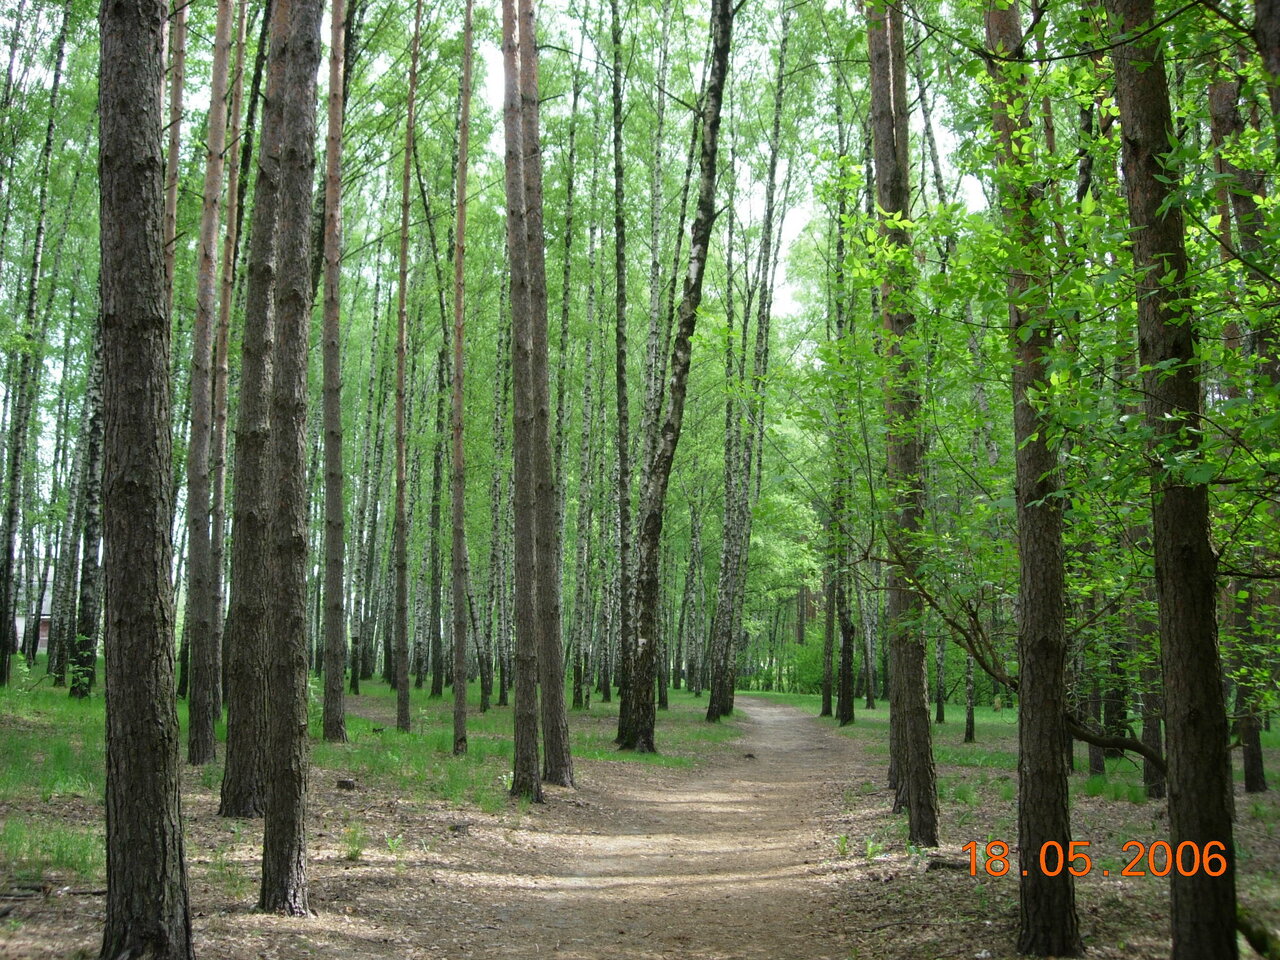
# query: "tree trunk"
1048,923
525,781
653,497
84,645
205,694
1200,804
911,747
828,642
147,912
244,778
625,638
334,617
557,762
968,700
222,347
177,41
437,474
848,639
457,477
400,521
284,875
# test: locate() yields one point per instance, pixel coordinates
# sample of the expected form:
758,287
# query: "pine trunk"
244,777
1203,909
205,691
334,617
147,912
1048,924
284,845
911,750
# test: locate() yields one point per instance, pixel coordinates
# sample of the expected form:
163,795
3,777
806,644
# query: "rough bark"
244,777
525,781
284,875
557,762
1048,924
911,747
147,912
1203,909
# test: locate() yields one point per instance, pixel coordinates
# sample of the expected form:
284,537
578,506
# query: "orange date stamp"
1157,859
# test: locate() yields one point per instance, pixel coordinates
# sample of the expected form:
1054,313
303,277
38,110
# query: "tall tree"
911,750
147,911
1048,924
205,690
557,761
31,342
284,847
222,344
525,781
244,776
457,475
1203,907
400,521
623,612
653,497
335,644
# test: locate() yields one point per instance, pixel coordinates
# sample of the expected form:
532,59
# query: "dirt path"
724,863
731,860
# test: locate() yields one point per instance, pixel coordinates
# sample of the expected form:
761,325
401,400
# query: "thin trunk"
30,344
173,156
828,642
457,477
968,699
400,521
205,696
334,627
221,350
653,497
84,645
437,474
625,640
1048,922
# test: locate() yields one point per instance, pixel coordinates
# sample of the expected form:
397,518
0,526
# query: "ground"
777,846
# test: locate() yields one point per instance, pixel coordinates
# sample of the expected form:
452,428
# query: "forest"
498,411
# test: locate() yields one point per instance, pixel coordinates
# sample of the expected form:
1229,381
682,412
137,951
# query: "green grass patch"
50,745
32,850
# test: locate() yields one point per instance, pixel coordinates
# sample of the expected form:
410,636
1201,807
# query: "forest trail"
730,860
724,862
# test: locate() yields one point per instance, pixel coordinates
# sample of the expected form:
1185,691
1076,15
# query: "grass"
32,850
